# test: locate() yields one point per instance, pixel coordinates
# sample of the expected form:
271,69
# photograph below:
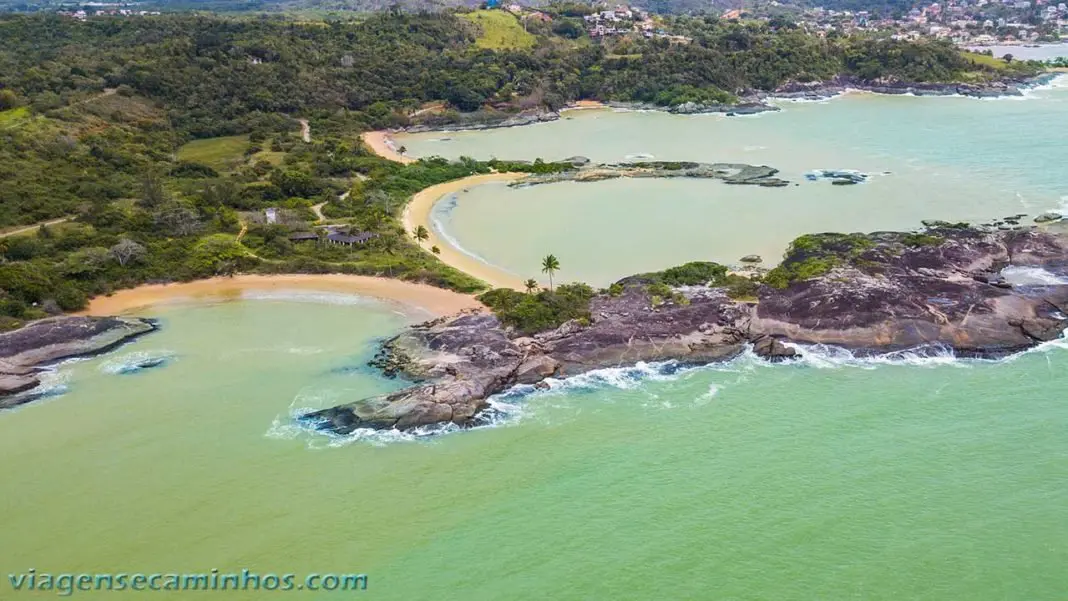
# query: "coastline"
436,301
419,211
382,144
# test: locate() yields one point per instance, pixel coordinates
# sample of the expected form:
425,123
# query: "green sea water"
929,158
832,478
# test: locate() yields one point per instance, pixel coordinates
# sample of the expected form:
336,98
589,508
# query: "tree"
126,251
550,265
9,100
219,254
421,234
435,250
152,193
531,285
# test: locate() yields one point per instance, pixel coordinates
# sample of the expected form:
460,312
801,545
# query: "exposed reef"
25,351
730,173
870,293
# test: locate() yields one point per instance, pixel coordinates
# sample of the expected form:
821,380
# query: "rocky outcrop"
484,120
820,90
25,351
874,293
730,173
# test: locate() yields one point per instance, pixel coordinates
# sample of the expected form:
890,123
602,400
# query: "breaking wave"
1032,276
131,363
512,406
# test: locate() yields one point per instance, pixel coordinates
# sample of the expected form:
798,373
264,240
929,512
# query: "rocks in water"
883,292
484,120
837,177
1049,217
577,161
752,259
13,384
773,349
731,173
46,341
820,90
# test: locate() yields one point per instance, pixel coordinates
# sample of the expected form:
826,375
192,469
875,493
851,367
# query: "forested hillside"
97,120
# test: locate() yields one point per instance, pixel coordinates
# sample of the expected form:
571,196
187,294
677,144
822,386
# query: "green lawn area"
13,117
986,61
274,158
218,153
500,30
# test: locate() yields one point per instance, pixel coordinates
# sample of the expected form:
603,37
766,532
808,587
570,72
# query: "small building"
271,215
303,237
349,239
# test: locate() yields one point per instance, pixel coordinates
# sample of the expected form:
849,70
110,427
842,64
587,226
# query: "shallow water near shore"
930,158
830,478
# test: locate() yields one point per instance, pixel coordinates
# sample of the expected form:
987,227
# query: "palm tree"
550,265
531,285
420,234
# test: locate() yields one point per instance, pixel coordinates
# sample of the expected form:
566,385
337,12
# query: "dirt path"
30,228
318,210
305,131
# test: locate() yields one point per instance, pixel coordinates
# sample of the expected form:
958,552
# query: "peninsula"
876,293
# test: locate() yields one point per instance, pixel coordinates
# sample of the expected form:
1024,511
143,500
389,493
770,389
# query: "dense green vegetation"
534,312
165,138
813,255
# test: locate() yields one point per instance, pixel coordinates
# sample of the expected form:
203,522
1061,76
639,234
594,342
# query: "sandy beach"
418,212
382,144
580,105
435,301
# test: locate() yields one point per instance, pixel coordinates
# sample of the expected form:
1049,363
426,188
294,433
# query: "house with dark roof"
349,239
303,237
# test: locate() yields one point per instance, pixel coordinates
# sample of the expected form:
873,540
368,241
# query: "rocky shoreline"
823,90
729,173
26,352
875,293
752,102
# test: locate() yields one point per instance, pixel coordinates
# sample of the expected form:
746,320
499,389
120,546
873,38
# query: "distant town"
965,22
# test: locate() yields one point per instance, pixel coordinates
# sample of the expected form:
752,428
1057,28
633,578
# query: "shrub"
533,313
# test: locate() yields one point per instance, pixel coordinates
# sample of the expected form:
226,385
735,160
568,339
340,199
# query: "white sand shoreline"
427,299
419,211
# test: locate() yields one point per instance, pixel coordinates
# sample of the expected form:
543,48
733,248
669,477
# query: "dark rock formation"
24,351
877,293
826,89
730,173
484,120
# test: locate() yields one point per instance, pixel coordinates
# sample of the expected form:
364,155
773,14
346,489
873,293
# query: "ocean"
916,476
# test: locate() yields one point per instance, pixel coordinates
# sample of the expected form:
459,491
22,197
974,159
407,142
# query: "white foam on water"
822,356
439,229
507,408
1031,276
130,362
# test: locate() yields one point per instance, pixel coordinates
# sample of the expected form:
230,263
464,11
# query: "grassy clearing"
218,153
274,158
14,117
986,61
500,30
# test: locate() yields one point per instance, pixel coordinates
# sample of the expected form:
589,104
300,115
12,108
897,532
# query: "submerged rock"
25,350
877,293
